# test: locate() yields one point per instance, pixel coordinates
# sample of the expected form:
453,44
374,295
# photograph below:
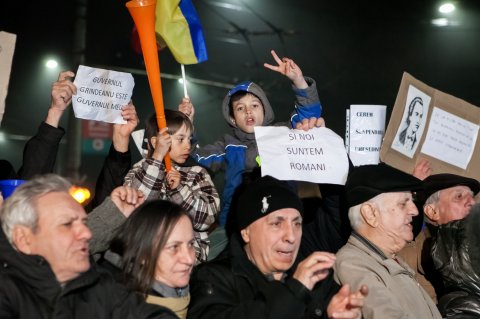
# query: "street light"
51,64
446,8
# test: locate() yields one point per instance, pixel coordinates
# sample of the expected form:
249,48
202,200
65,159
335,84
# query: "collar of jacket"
243,136
35,272
169,292
394,267
370,245
241,265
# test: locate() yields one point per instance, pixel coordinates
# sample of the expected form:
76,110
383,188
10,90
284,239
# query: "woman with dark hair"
157,254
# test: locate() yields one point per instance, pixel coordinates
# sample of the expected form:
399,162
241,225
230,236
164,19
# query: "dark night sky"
356,50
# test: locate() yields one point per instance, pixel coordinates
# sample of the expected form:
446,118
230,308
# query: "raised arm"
40,152
119,160
105,220
288,68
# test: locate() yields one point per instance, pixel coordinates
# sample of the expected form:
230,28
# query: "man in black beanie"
381,212
254,279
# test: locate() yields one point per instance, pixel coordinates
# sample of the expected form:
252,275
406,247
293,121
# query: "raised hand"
121,132
62,91
173,178
127,199
307,124
186,107
162,144
288,68
422,169
345,304
314,268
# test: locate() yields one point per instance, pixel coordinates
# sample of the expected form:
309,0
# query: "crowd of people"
387,244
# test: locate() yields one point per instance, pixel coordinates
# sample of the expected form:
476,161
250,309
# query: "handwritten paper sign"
366,129
316,156
7,47
450,138
101,94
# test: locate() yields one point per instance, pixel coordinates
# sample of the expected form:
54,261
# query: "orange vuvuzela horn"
143,14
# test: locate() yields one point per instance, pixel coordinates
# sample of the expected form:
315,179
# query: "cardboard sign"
366,129
101,94
427,123
7,48
316,156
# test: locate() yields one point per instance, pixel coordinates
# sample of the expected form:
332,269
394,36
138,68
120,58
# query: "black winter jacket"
451,253
232,287
29,289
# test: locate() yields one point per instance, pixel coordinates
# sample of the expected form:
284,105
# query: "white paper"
137,137
7,48
316,156
450,138
413,122
101,94
366,130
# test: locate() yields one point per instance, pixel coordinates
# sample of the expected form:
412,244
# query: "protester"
40,151
44,252
254,277
188,186
244,107
381,212
154,249
414,253
449,199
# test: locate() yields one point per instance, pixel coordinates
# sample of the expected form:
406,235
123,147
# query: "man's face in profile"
416,117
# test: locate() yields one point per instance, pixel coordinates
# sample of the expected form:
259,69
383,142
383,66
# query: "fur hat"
366,182
262,197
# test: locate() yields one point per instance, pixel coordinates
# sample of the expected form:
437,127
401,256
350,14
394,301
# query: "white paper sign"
366,130
316,156
101,94
450,138
7,48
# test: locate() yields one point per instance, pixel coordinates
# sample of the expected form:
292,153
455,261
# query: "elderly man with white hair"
381,212
46,270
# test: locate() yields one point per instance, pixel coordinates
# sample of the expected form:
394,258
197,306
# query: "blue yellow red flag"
178,26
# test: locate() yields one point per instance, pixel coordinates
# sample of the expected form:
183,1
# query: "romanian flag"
178,27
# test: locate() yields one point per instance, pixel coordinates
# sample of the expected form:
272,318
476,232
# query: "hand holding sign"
308,124
121,132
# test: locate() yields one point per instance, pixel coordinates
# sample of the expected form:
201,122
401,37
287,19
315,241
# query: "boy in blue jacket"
244,107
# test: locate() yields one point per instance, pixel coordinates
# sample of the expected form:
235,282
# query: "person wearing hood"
244,107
